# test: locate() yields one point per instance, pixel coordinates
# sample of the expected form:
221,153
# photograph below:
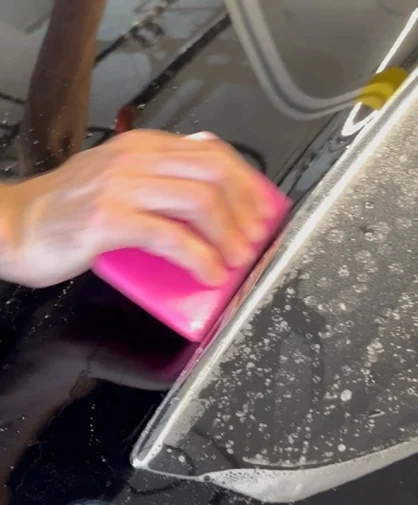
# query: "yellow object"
381,87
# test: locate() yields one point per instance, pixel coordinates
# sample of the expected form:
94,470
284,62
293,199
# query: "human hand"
196,204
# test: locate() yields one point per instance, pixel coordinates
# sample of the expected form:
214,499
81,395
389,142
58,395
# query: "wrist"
10,209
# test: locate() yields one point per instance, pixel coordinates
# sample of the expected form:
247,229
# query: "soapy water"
285,485
355,336
283,480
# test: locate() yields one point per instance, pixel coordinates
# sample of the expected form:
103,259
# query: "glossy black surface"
81,369
73,378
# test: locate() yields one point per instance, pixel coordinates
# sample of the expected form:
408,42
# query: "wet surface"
82,370
324,372
80,366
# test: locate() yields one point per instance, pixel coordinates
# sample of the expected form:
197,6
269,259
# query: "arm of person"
56,112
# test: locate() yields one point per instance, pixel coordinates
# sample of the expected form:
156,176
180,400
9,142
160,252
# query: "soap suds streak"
287,486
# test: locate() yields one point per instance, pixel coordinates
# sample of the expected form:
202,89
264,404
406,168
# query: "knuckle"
209,199
168,239
174,233
208,256
221,163
225,177
223,148
151,233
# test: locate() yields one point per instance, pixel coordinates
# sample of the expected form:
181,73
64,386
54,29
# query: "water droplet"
376,413
346,395
335,236
344,271
310,301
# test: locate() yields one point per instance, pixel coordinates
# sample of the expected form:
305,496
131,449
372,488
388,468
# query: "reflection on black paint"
83,371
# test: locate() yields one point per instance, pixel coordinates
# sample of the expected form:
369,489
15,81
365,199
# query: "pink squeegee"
169,292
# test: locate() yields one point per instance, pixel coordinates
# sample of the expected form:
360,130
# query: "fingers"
167,239
199,156
198,180
249,171
240,183
201,205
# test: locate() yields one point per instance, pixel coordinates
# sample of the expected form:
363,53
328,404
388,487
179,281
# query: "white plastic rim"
249,20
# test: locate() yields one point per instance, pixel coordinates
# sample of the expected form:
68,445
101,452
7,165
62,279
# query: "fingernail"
202,136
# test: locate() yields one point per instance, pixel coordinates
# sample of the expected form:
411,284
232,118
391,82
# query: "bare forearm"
9,232
57,107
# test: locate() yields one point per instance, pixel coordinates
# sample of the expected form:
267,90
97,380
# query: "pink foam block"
169,292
